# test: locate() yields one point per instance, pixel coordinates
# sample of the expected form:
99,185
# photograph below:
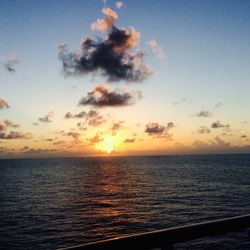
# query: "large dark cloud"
102,96
3,104
111,56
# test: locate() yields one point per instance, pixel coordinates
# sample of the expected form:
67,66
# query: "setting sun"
108,144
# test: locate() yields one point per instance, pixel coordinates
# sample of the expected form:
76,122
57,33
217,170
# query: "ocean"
54,203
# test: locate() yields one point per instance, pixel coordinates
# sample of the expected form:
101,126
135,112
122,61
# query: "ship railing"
165,239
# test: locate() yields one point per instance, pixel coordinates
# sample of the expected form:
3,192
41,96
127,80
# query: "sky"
90,78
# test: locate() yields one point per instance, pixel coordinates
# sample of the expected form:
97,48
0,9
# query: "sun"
108,144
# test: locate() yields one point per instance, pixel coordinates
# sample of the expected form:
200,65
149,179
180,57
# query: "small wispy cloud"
46,118
107,22
218,124
156,49
3,104
9,62
204,130
218,105
129,140
119,4
205,113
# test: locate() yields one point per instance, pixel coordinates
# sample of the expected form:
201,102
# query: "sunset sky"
86,78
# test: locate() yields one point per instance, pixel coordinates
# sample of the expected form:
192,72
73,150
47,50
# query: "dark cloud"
91,118
157,130
218,124
243,136
11,124
203,130
28,150
96,139
218,105
204,113
9,62
102,96
46,118
170,125
111,57
14,135
3,104
154,128
79,115
81,125
116,126
216,144
8,124
60,142
129,140
75,135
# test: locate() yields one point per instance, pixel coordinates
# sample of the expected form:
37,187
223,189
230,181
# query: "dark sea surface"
53,203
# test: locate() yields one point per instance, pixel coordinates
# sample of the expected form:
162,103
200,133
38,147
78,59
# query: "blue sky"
207,62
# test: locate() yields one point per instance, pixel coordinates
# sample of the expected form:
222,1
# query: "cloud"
243,136
218,124
154,128
60,142
3,104
11,124
96,139
216,144
8,124
9,62
203,130
160,131
46,118
119,4
204,113
111,56
75,135
156,49
129,140
116,126
91,118
102,96
69,115
218,105
28,150
15,135
107,22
